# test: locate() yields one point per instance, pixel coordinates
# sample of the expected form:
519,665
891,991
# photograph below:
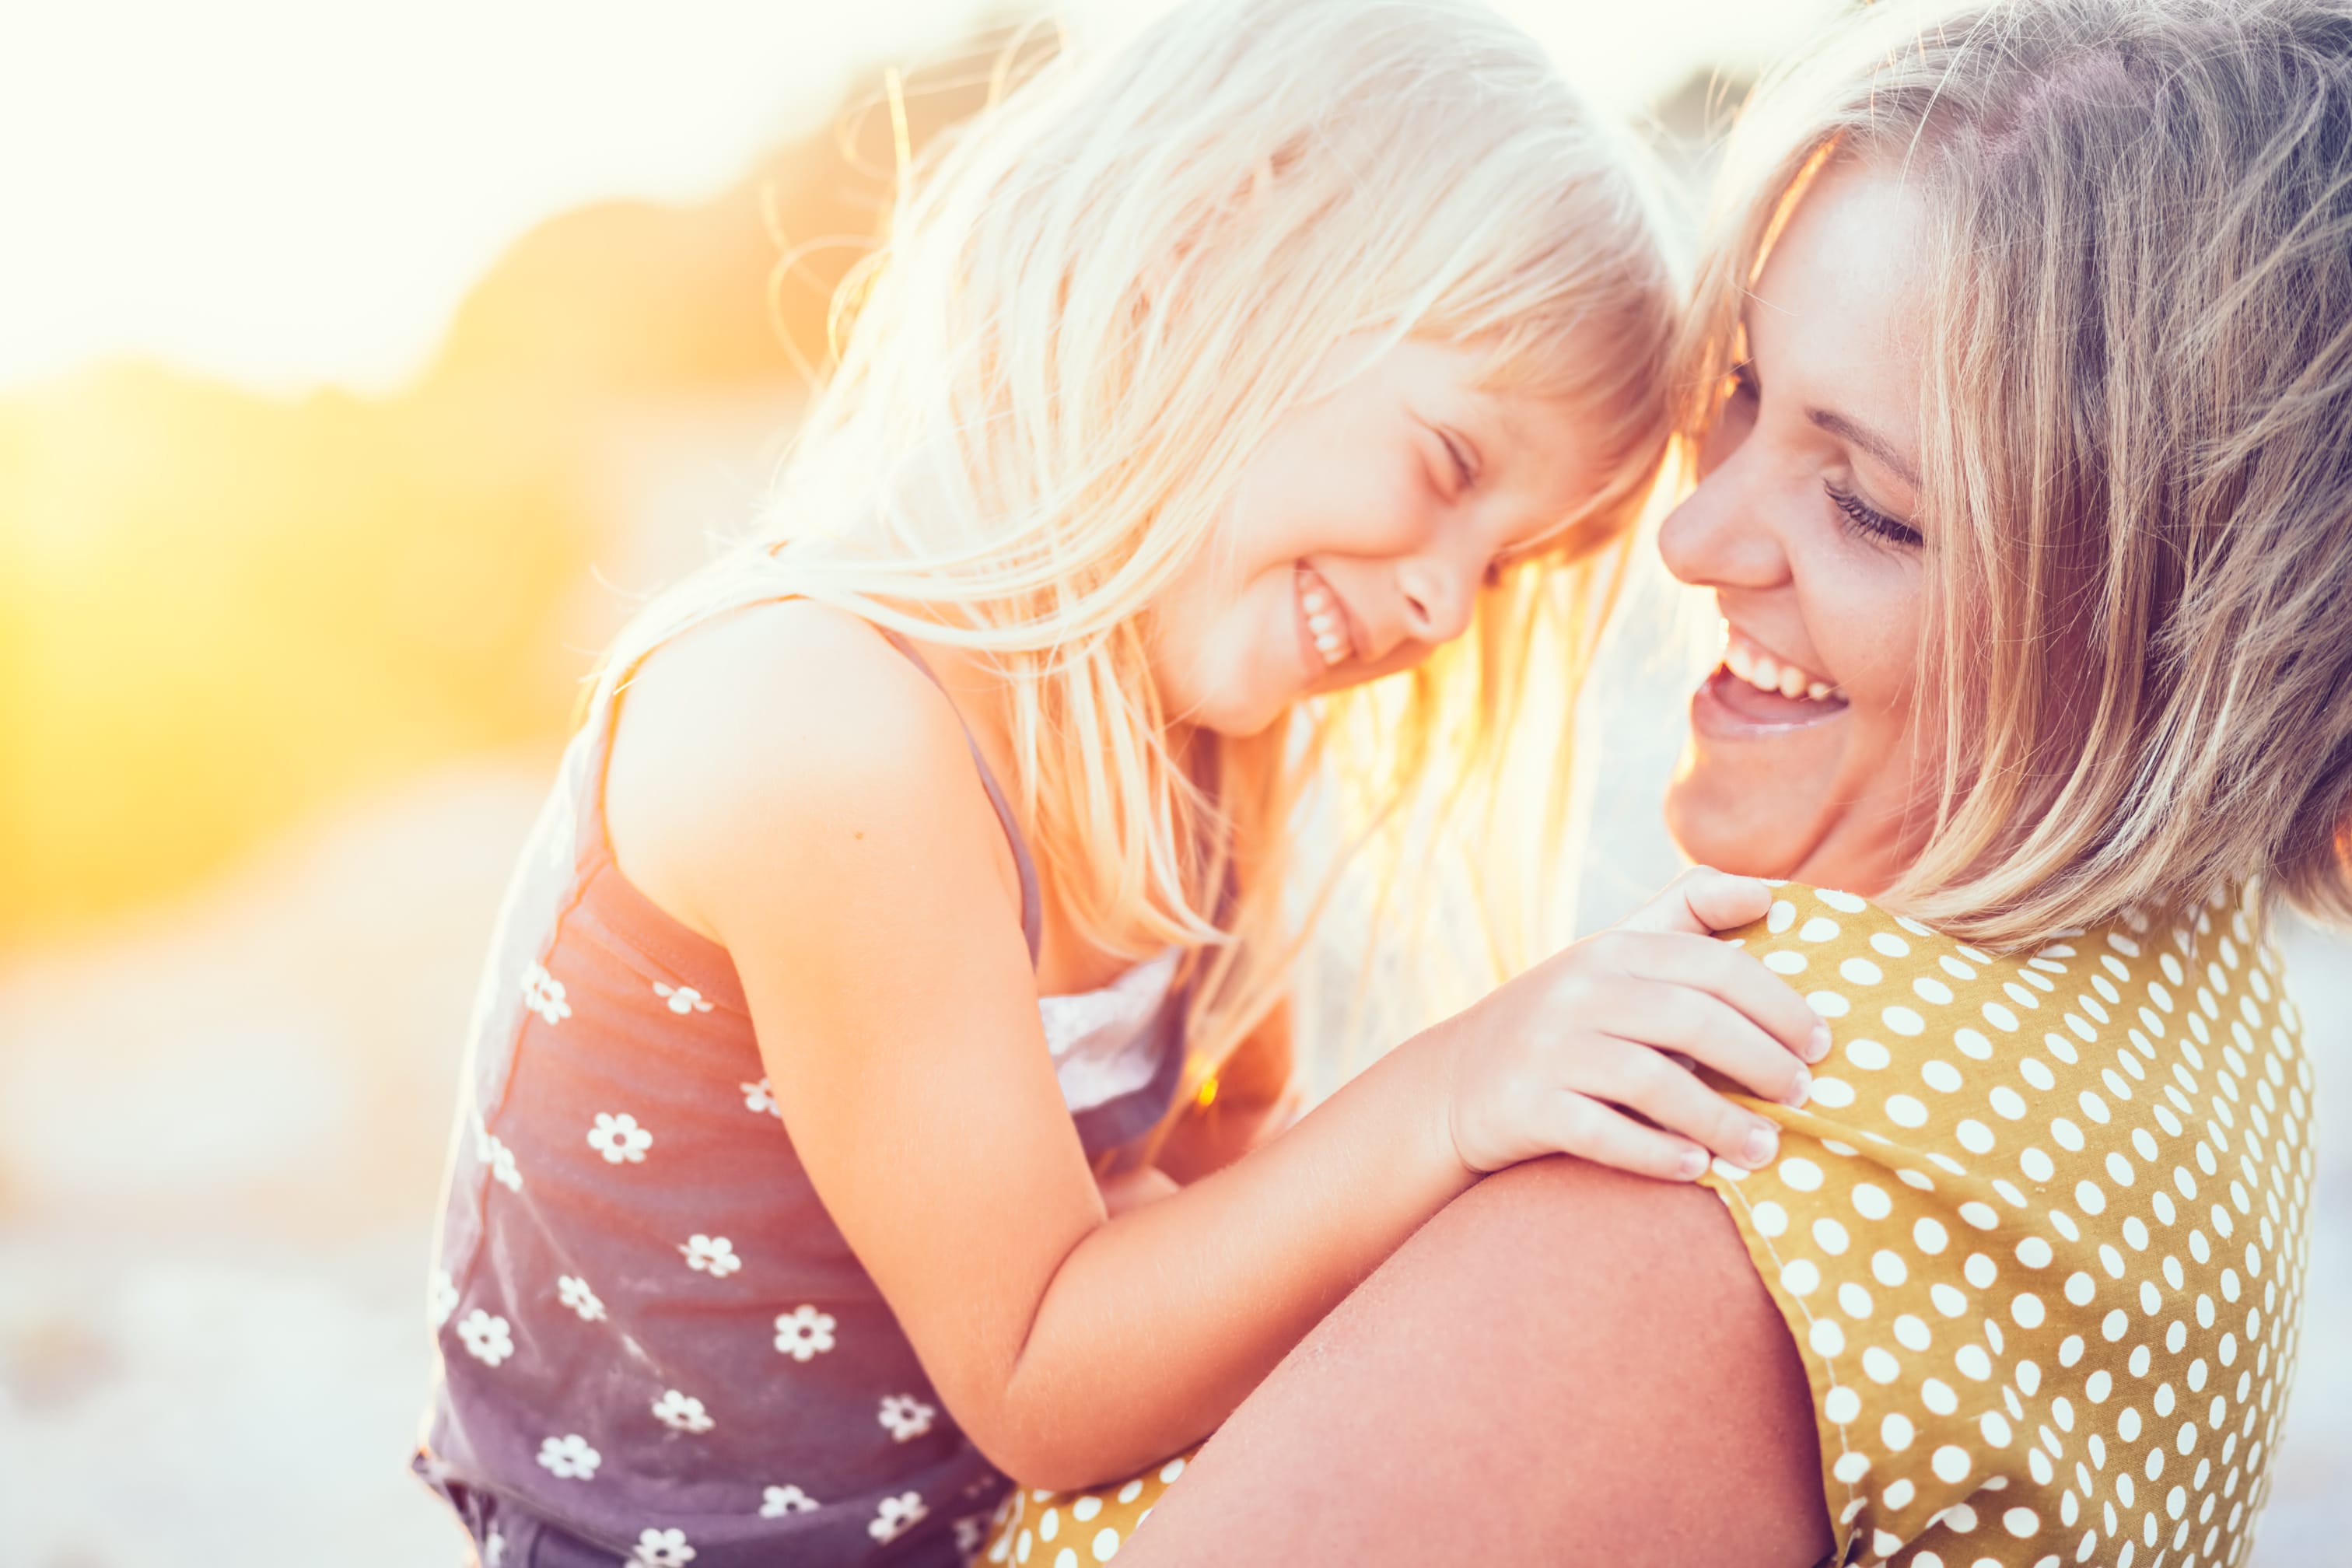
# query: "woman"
2024,475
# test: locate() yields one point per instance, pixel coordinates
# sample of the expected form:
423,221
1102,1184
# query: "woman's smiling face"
1804,525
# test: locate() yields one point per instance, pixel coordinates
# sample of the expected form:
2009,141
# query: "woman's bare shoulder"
1568,1365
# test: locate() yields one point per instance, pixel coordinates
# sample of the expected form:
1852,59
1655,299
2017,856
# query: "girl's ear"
1247,200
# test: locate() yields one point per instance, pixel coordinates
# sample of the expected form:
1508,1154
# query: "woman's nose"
1719,536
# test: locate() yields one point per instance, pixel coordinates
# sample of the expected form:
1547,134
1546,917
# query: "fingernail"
1693,1161
1819,1044
1799,1090
1761,1140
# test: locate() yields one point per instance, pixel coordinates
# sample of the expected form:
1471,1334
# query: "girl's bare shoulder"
739,737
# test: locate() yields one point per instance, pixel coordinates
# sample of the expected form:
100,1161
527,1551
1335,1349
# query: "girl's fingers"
1701,901
1666,1016
1645,1080
1589,1129
1731,977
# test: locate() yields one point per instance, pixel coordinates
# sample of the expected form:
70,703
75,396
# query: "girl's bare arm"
840,847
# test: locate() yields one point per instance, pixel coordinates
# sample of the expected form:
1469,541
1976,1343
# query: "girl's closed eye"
1461,458
1861,517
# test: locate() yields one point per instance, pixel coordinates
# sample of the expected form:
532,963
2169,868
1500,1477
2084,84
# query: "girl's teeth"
1793,682
1322,619
1818,690
1766,673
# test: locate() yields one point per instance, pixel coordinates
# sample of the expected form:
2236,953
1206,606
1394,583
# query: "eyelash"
1462,467
1863,517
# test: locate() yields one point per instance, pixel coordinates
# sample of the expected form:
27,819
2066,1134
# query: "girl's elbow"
1045,1456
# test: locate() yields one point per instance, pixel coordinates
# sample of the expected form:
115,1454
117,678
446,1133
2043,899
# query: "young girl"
947,820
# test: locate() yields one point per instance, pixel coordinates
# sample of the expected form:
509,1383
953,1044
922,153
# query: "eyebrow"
1869,440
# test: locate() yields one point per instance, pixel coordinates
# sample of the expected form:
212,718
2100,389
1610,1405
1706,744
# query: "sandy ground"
220,1136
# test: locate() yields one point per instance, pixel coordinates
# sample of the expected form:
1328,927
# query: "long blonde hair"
2136,433
1091,310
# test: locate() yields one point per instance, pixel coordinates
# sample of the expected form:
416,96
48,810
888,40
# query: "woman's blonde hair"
2137,431
1092,308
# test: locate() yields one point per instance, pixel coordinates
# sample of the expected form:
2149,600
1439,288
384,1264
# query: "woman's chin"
1717,820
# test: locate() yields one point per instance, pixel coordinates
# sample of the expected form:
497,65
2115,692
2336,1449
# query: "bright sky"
286,192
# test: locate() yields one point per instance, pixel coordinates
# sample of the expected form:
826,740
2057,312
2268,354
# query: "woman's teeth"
1324,621
1762,671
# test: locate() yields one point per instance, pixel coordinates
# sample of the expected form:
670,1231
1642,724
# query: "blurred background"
357,369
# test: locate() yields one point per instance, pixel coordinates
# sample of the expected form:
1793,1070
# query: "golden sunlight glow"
283,194
351,360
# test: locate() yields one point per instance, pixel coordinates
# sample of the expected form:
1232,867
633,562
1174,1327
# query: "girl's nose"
1437,603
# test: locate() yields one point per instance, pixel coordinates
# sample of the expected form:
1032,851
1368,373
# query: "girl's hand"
1553,1061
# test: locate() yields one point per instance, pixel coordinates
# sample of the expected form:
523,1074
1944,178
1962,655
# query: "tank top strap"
590,759
1033,914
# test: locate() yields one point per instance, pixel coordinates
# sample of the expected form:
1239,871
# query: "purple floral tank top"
654,1347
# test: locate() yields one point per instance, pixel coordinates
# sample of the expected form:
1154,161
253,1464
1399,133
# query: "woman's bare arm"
1568,1366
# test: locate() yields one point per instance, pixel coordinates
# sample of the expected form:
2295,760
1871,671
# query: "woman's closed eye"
1861,517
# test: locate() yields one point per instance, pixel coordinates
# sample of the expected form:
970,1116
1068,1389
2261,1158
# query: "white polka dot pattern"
2047,1294
2039,1233
1080,1528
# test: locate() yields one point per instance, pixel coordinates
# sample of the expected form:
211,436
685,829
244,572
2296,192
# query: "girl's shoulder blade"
745,746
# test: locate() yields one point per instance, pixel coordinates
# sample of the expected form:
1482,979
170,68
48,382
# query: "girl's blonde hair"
2137,431
1090,312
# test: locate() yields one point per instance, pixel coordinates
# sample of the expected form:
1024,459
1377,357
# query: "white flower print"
968,1533
906,1417
544,994
681,998
487,1339
897,1516
570,1458
443,1299
580,1299
619,1138
713,1255
781,1501
758,1096
500,1159
662,1548
681,1413
803,1332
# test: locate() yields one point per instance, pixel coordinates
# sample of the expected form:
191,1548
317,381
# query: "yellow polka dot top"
2040,1232
2039,1235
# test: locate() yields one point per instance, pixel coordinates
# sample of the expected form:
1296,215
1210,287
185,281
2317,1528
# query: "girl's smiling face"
1804,524
1360,533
